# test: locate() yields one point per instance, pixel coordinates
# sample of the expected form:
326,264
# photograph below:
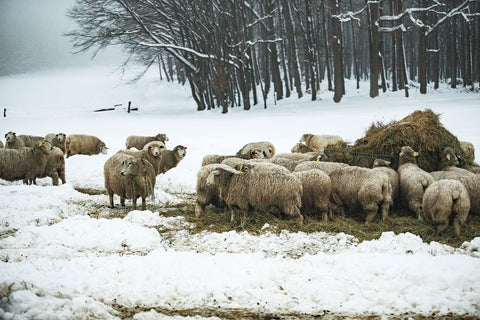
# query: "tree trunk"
374,47
336,40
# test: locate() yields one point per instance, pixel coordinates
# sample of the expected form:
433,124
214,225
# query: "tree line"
237,52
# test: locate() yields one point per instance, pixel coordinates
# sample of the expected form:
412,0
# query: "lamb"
446,202
55,166
317,189
140,141
319,142
25,164
383,165
265,147
84,144
57,140
413,180
370,189
171,158
215,158
327,167
152,152
471,183
260,190
207,193
130,178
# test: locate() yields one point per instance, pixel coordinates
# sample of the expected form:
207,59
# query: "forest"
234,53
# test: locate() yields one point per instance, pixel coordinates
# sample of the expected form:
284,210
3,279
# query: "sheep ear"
448,156
415,153
40,144
388,163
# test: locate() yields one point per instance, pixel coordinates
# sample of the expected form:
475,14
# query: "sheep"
301,156
413,180
26,163
207,193
446,202
57,140
320,142
12,141
215,158
266,148
171,158
302,148
327,167
30,141
140,141
152,152
130,178
260,167
55,166
84,144
317,188
353,186
383,165
469,151
260,190
471,183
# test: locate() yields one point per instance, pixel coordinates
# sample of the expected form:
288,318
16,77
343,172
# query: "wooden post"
4,112
129,104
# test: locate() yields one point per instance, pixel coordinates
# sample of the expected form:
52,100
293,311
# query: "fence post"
129,104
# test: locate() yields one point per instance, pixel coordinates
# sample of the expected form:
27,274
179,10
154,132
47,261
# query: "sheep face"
60,137
10,137
407,154
154,148
102,148
244,167
130,167
180,151
258,154
449,158
220,176
44,147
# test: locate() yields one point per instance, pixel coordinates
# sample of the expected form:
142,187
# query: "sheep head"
10,136
43,146
60,137
257,154
133,167
180,151
154,148
449,158
381,163
407,154
221,176
161,137
244,167
101,147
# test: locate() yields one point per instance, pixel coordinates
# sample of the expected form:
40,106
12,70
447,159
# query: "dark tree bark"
336,40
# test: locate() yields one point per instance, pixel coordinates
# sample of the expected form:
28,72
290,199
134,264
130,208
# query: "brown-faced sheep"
260,190
25,164
57,140
446,202
207,193
55,166
265,147
130,178
319,142
140,141
215,158
152,152
471,183
317,189
367,188
84,144
171,158
327,167
413,180
383,165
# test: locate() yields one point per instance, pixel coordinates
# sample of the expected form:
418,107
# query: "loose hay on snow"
420,130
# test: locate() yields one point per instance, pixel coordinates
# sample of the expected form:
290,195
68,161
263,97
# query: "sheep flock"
303,182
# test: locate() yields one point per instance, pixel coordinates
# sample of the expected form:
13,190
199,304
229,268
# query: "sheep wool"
320,142
207,193
152,152
446,202
57,140
171,158
383,165
317,189
139,142
267,149
84,144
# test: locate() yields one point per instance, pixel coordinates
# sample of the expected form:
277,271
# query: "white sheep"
130,178
446,202
171,158
207,193
320,142
215,158
84,144
260,190
25,164
57,140
356,186
140,141
383,165
55,166
413,180
265,147
327,167
12,141
317,189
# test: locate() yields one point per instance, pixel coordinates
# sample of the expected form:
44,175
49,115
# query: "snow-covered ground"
60,261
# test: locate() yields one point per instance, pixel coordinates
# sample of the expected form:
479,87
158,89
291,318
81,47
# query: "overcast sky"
31,37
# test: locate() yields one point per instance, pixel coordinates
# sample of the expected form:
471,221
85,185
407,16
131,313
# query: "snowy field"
59,261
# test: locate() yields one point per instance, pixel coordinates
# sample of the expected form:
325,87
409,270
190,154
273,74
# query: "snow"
63,256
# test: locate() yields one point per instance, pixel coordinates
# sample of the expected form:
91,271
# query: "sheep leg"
199,210
144,204
442,226
122,201
456,226
294,211
61,174
384,209
134,203
110,197
55,179
371,212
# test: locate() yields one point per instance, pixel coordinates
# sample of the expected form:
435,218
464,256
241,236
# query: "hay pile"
420,130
